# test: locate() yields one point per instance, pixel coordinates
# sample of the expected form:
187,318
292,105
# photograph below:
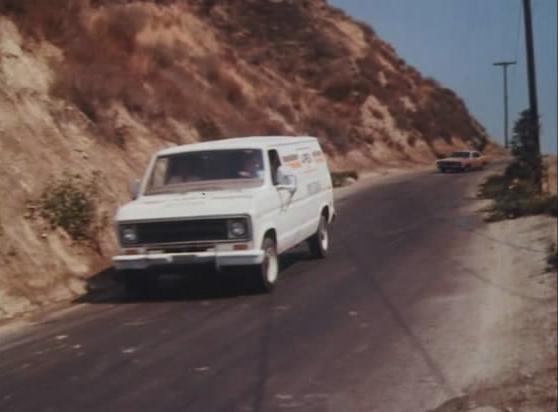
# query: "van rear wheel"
319,242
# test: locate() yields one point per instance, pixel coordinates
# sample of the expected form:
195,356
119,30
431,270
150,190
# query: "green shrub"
512,206
69,203
519,170
493,187
515,194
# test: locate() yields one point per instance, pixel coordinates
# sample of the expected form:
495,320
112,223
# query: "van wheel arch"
271,233
325,213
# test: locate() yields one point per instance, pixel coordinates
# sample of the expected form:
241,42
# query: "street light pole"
504,66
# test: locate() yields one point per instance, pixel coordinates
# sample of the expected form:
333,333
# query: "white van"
229,203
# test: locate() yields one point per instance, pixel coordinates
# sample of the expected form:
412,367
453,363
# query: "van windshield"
206,170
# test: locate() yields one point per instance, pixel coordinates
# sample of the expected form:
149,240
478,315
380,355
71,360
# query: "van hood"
188,205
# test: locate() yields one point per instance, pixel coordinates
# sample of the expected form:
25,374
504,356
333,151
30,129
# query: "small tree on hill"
524,146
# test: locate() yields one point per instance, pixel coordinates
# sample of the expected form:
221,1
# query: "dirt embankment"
95,86
513,368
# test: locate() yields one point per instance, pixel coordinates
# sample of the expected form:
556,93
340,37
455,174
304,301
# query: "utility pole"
532,82
504,66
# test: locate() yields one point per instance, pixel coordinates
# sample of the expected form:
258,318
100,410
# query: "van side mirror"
135,185
287,180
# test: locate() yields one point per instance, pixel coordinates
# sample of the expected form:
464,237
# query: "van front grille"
207,230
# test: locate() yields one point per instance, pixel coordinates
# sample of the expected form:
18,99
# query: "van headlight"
128,234
238,228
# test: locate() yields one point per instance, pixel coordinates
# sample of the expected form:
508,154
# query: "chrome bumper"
220,259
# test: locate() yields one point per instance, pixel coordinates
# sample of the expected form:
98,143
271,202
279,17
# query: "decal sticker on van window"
292,161
290,158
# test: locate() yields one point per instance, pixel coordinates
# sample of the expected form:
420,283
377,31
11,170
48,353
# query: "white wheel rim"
272,266
324,237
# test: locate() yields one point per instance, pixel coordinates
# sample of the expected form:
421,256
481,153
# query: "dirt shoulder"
514,366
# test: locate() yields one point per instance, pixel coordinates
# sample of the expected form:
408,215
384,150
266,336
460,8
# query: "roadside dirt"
514,369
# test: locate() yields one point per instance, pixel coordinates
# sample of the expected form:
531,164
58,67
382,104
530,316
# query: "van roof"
256,142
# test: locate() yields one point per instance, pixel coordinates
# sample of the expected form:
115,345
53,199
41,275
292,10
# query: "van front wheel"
319,242
268,271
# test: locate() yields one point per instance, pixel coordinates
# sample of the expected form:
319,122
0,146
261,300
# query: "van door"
283,203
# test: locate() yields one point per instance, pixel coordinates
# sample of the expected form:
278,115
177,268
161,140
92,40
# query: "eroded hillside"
95,86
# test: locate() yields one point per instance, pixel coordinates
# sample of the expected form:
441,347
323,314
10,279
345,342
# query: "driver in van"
275,163
251,167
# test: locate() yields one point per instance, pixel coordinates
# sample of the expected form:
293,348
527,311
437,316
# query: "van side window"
274,164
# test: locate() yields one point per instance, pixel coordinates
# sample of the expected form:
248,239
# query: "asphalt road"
341,334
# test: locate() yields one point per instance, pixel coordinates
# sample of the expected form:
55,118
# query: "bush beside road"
514,194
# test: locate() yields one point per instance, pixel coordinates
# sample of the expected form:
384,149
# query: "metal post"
532,82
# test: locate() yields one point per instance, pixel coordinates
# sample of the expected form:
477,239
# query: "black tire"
319,242
139,284
267,273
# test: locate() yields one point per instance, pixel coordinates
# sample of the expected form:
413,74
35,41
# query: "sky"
457,41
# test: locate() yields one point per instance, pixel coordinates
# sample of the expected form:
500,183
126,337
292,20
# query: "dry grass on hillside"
96,86
104,62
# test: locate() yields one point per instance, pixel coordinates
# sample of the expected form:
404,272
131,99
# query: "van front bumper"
219,259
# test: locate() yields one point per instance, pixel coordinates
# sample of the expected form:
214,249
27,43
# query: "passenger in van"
181,172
